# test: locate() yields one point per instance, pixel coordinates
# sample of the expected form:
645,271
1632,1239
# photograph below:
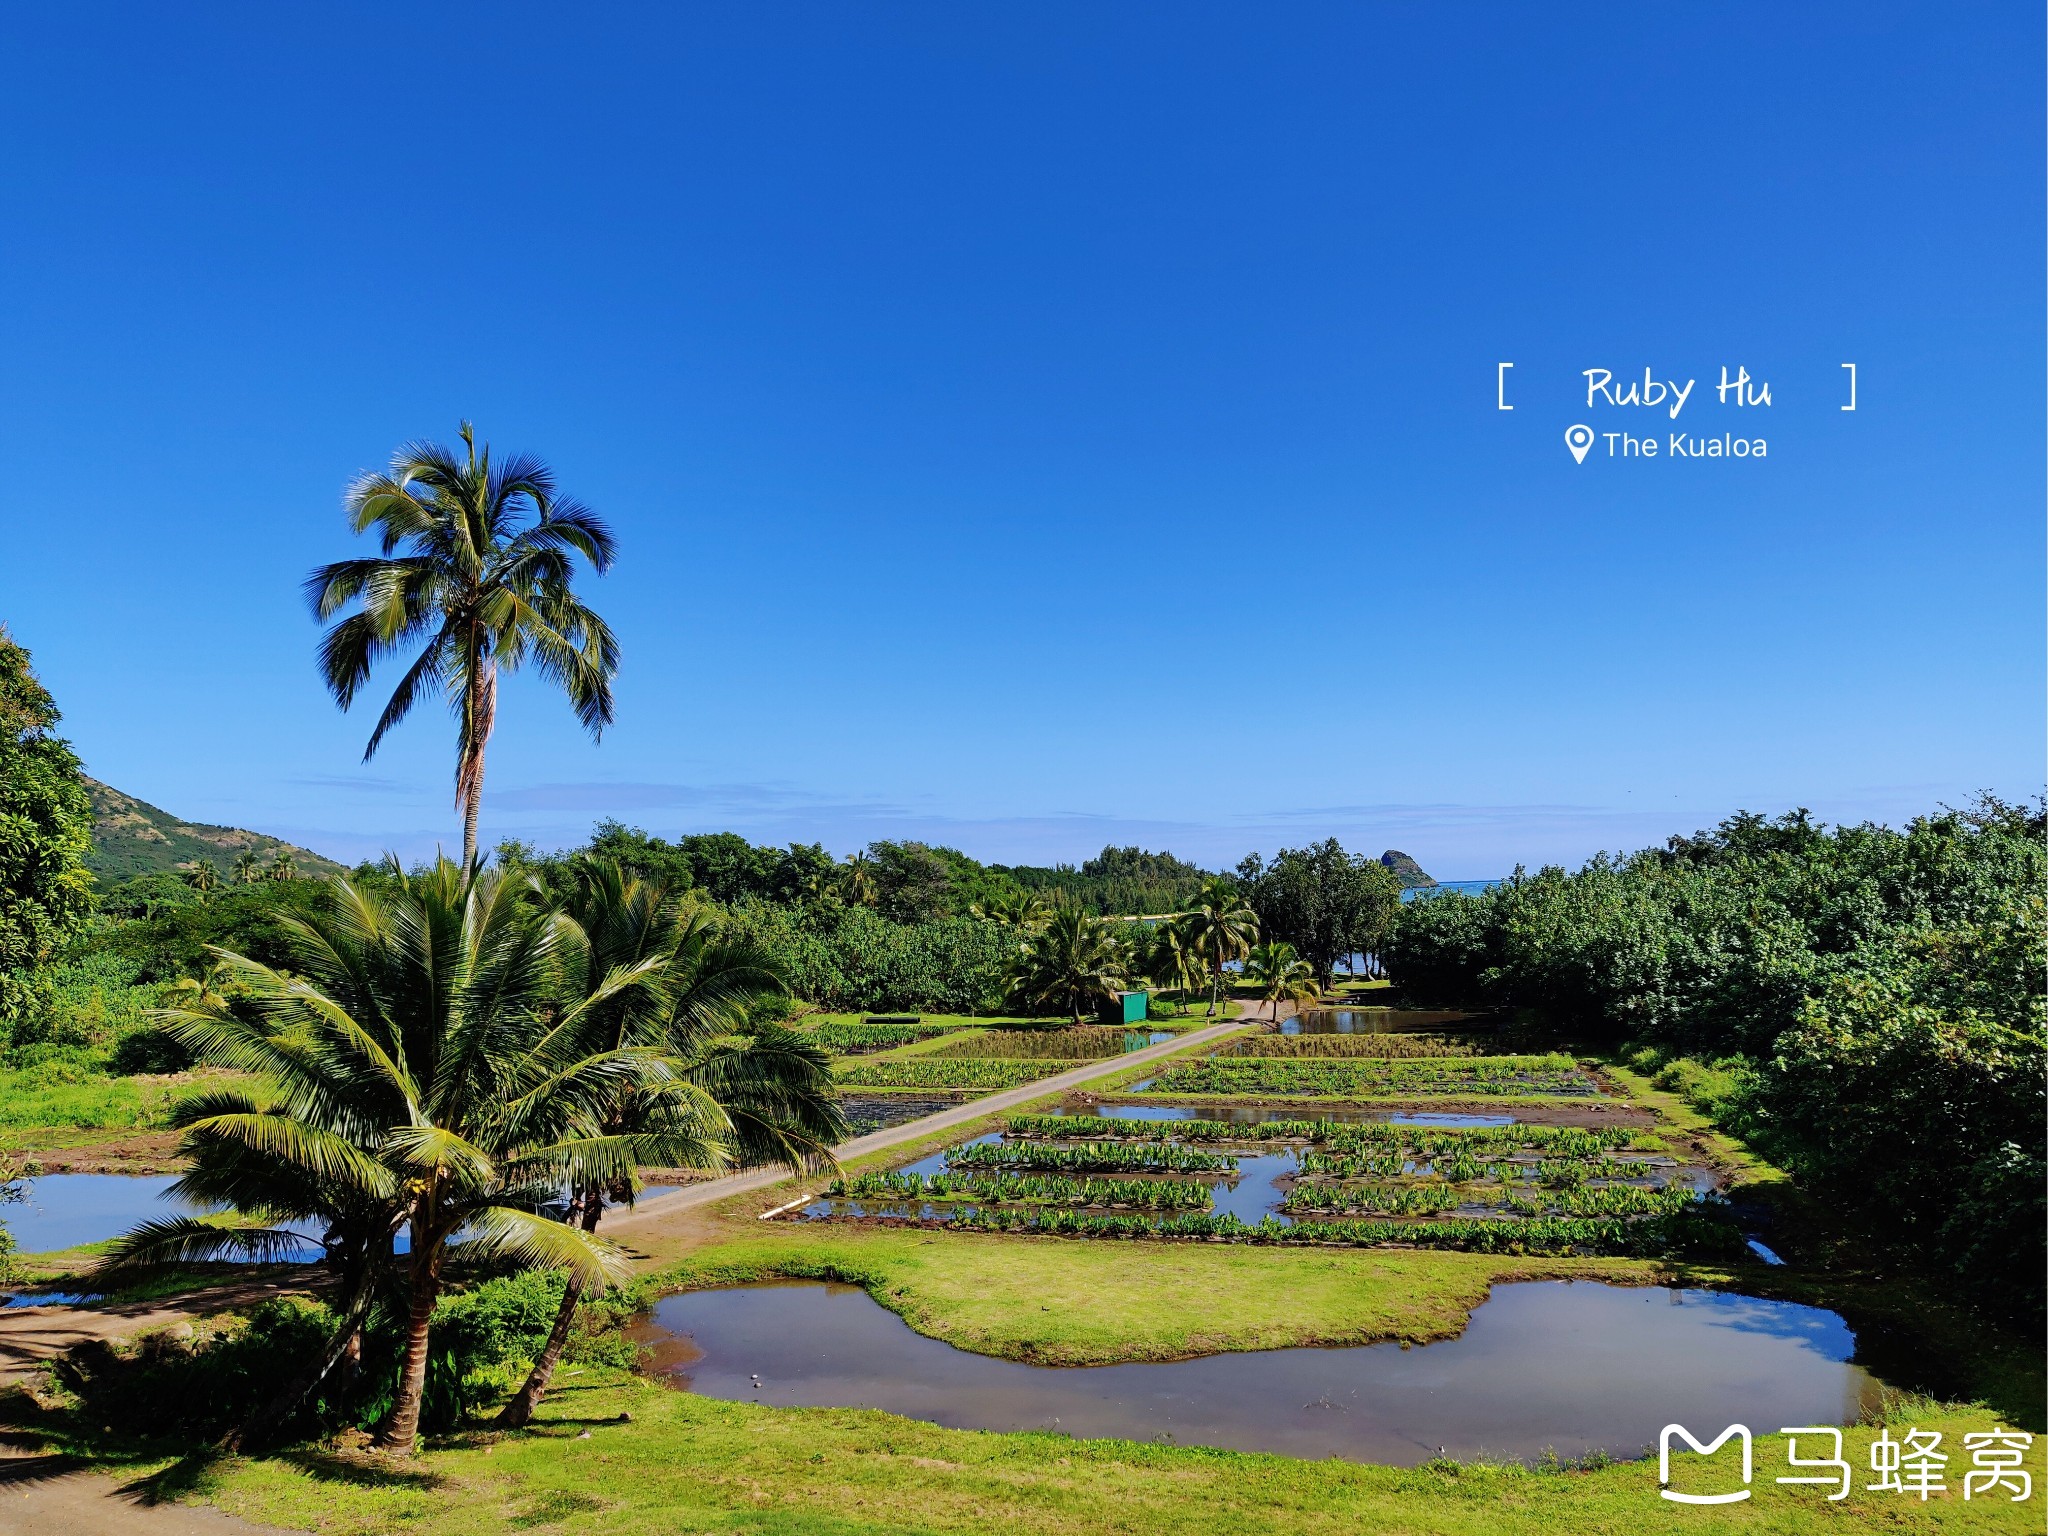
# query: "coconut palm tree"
739,1091
1071,965
1171,960
1014,909
1279,974
203,877
245,866
857,881
485,594
282,866
1220,928
430,1076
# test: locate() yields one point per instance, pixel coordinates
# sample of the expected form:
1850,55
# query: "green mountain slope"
132,837
1406,870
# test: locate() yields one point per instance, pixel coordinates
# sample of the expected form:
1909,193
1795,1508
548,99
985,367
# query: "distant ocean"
1469,887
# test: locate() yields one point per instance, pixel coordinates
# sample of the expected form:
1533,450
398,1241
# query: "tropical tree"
738,1091
857,881
245,866
485,594
203,877
283,866
1171,963
1279,974
429,1076
1220,928
1013,909
46,814
1325,902
1071,965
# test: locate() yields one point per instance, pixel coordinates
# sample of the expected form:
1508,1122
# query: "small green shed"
1128,1008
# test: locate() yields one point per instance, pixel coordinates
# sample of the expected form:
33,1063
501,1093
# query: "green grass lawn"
690,1464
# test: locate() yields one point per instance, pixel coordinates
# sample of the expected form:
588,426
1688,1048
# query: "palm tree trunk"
479,714
401,1431
519,1411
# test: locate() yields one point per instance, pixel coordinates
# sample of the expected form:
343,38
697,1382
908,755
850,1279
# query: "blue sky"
1029,427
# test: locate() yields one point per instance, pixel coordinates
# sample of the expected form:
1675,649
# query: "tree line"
1864,1004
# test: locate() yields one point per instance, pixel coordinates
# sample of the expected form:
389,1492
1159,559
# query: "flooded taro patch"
1574,1368
1503,1187
1482,1076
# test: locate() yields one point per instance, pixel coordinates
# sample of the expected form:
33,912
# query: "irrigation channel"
1570,1367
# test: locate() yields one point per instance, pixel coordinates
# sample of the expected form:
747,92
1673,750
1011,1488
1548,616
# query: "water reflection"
1385,1021
1574,1367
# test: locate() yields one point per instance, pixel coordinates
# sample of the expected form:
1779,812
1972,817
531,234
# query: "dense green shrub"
1866,1005
484,1337
45,833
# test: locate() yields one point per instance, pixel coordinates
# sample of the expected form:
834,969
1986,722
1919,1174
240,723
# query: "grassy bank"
688,1464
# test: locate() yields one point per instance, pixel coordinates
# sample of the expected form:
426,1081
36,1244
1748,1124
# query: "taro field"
1351,1076
1514,1188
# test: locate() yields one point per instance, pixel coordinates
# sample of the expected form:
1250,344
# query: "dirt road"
710,1191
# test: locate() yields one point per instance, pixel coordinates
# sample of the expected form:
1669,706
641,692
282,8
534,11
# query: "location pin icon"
1578,439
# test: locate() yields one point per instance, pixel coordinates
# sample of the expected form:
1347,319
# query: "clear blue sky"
1033,426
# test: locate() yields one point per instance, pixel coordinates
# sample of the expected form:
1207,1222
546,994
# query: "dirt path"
37,1496
643,1220
31,1335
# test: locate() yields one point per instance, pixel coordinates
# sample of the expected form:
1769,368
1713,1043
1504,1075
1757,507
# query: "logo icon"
1733,1431
1579,439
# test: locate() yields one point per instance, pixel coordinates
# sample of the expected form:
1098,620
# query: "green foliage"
853,959
58,1086
1024,1189
845,1039
1325,902
1073,964
485,579
1332,1078
923,1072
1691,1232
174,940
1117,881
45,835
1161,1157
1865,1005
1387,1047
1088,1042
484,1338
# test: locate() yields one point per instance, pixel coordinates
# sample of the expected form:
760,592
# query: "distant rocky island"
1406,870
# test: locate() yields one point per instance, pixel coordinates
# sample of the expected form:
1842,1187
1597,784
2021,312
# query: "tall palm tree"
1279,974
740,1091
1172,961
483,592
245,866
857,881
203,877
282,866
429,1074
1072,964
1220,928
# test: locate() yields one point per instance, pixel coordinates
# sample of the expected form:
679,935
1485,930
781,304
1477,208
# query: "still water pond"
1382,1021
65,1210
1543,1365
